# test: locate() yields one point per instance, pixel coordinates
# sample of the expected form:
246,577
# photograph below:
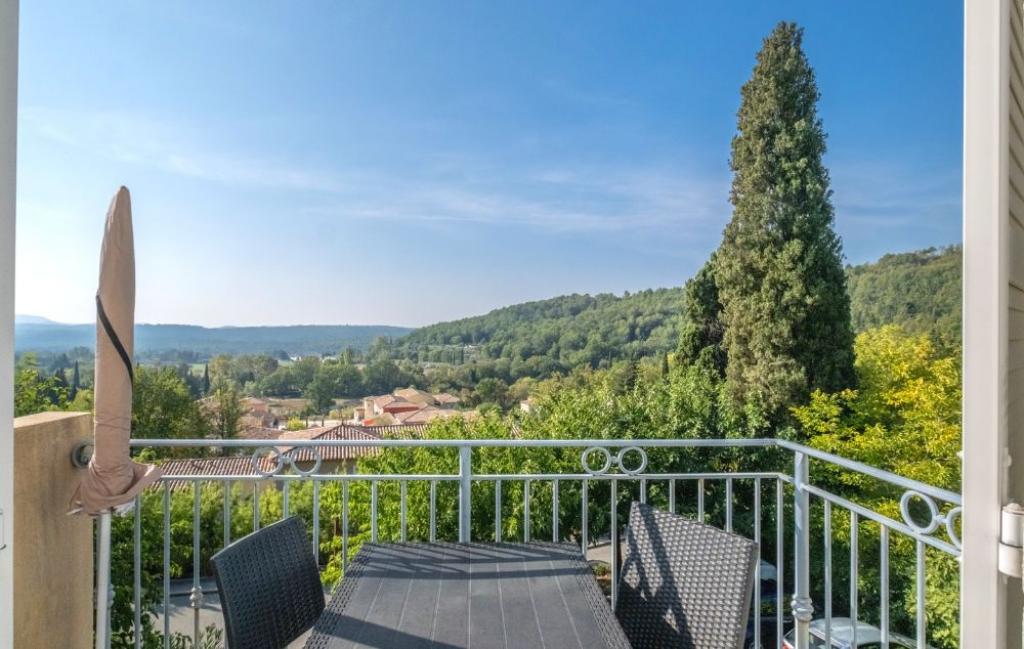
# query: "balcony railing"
837,537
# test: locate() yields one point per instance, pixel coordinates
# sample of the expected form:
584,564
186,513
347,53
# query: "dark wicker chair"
683,583
269,585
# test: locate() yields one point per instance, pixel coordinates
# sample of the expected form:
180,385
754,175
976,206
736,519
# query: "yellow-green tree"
903,417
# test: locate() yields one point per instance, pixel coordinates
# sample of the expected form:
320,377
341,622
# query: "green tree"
778,272
700,337
904,417
76,382
227,410
164,409
34,391
206,379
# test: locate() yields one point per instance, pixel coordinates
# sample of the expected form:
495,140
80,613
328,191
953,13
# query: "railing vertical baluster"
402,519
554,511
526,511
780,559
757,566
803,608
585,497
497,511
827,523
643,491
884,563
373,511
316,521
728,504
922,618
465,492
344,525
137,567
227,513
614,539
672,496
403,490
285,500
854,576
255,506
433,511
167,565
196,597
700,500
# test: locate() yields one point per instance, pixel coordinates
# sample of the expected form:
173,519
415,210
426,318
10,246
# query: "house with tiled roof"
403,405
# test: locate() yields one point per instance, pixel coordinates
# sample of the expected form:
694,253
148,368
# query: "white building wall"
8,151
993,312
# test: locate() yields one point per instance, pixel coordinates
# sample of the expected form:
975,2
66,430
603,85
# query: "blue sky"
404,163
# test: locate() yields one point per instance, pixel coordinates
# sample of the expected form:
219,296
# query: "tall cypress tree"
206,379
76,383
779,272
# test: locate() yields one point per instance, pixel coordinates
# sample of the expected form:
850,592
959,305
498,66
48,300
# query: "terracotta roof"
397,430
416,396
207,466
259,432
337,453
445,398
424,415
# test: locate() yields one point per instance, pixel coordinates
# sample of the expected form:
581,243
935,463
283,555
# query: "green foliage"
226,410
903,417
700,337
163,407
785,311
920,291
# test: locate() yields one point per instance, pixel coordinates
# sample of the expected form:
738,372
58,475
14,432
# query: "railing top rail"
453,443
867,469
852,465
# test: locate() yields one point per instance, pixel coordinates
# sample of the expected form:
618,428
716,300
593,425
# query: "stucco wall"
53,552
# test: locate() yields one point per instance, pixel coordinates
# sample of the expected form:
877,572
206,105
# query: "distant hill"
32,319
562,332
919,290
295,340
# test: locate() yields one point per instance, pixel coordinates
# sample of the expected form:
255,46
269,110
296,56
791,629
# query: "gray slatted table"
481,595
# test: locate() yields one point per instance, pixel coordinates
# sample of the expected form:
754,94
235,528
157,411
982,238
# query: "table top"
461,595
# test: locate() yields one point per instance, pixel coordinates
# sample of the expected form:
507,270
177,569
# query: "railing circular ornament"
313,469
604,467
618,460
952,516
274,455
934,521
280,461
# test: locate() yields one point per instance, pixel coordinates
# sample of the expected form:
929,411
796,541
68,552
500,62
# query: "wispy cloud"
564,198
152,143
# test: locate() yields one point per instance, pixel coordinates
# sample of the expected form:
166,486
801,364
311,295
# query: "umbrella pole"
103,584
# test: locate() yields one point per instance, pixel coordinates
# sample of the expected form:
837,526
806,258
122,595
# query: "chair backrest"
683,583
269,583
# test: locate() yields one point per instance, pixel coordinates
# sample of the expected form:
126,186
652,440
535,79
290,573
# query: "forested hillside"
920,291
558,333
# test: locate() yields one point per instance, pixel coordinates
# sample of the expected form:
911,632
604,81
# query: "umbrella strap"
109,328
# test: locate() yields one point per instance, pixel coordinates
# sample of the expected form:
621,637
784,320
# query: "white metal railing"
621,470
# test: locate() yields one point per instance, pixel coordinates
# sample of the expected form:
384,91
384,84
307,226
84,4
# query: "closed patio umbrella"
113,480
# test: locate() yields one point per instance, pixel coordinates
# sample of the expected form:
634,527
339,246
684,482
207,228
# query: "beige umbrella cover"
113,479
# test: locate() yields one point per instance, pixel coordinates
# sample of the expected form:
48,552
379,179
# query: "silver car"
868,637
